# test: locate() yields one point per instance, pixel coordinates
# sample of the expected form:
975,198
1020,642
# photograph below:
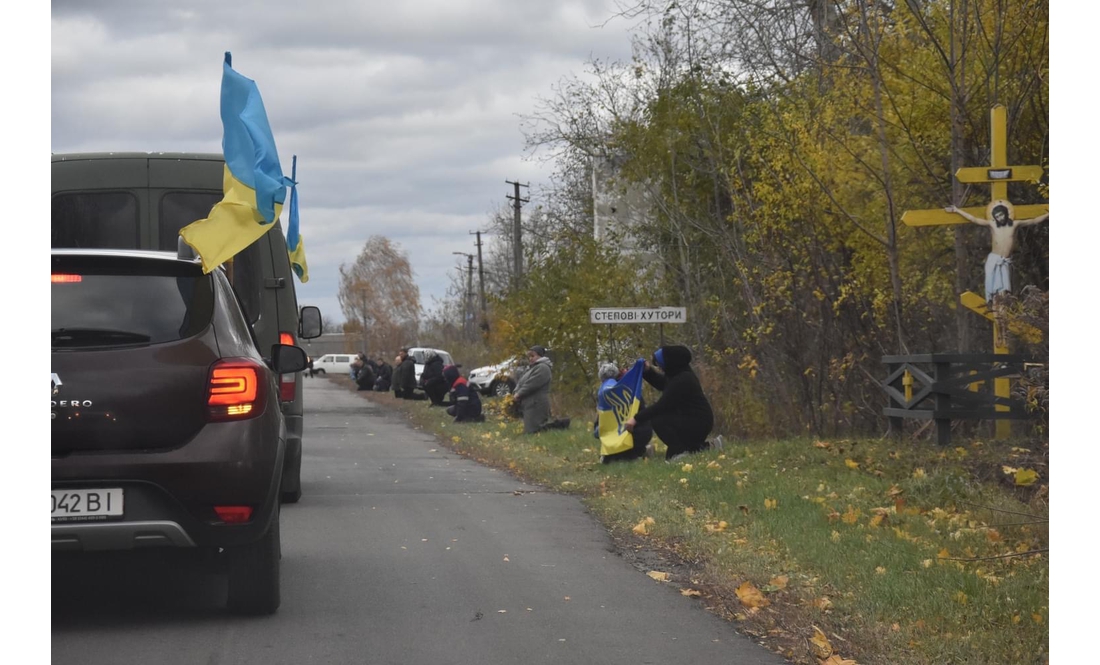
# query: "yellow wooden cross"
997,175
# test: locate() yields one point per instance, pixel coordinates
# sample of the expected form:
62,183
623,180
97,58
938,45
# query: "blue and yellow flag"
615,406
295,245
253,181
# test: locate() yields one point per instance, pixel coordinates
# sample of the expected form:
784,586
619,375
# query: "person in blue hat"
682,416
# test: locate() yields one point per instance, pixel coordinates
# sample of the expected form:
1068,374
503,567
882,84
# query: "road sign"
638,315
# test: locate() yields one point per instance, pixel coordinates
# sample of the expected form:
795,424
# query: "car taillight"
288,383
233,514
56,278
235,390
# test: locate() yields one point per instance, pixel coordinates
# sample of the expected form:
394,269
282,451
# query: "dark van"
141,201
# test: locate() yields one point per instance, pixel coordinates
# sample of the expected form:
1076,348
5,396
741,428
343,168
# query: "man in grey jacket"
532,393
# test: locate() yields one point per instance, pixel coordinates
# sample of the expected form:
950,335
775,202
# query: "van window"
342,359
94,220
178,209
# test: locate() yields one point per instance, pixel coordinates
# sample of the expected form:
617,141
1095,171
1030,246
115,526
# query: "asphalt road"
399,552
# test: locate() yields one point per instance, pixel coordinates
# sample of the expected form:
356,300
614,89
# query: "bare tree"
379,296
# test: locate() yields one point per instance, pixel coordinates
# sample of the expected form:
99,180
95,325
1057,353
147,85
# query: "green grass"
868,539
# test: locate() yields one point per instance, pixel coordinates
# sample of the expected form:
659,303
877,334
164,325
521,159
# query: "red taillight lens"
234,514
288,383
235,390
64,279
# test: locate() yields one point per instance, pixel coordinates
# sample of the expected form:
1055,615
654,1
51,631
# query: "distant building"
331,343
618,207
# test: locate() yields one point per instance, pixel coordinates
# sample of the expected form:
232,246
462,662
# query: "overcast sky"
404,115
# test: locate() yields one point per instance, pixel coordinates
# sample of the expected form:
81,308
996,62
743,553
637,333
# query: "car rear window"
101,302
94,220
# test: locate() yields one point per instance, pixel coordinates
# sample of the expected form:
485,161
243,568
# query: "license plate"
86,505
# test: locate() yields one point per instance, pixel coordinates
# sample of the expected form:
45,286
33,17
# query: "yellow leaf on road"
750,596
820,644
658,575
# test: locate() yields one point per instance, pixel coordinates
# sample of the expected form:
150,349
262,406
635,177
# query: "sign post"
636,315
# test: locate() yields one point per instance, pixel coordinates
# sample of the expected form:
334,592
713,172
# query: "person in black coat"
364,379
385,376
432,381
465,403
682,416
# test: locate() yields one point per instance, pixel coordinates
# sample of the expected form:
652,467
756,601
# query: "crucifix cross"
998,174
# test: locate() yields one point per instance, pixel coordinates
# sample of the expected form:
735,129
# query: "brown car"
166,428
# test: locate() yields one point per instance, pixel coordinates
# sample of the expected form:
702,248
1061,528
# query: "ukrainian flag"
253,181
615,406
295,245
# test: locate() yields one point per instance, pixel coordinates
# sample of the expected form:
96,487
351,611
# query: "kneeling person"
465,402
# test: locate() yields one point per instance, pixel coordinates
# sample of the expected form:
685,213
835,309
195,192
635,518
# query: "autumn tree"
379,296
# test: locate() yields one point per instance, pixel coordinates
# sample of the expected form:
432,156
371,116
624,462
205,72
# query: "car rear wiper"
95,337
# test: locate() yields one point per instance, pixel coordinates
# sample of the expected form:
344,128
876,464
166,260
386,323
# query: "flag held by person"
615,406
253,182
295,245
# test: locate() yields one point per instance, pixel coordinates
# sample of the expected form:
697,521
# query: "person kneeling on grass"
610,374
465,403
682,417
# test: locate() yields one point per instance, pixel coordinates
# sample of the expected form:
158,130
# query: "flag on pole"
616,405
295,245
253,181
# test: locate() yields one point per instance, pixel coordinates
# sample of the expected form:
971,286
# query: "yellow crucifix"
999,217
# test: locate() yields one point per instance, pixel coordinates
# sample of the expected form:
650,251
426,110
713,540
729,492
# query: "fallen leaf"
851,464
456,439
1026,477
770,504
960,598
687,468
779,582
1037,618
919,473
689,511
506,558
690,592
650,520
1009,470
822,603
879,570
743,508
821,444
851,516
835,536
713,465
927,563
502,611
750,596
567,598
820,644
658,575
877,520
640,529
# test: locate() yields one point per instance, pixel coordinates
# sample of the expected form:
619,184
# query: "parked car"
336,363
166,423
420,356
495,380
139,200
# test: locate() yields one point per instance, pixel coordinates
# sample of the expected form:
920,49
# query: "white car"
337,363
495,380
420,356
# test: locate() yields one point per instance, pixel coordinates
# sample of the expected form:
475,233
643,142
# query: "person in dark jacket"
431,379
364,379
404,376
465,402
385,376
682,416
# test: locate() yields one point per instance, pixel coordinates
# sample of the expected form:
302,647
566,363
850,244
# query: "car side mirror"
287,359
309,322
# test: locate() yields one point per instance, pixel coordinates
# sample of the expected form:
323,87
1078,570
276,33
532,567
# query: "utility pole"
517,236
480,276
467,300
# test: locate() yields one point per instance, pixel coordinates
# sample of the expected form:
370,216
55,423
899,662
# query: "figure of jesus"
1003,229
